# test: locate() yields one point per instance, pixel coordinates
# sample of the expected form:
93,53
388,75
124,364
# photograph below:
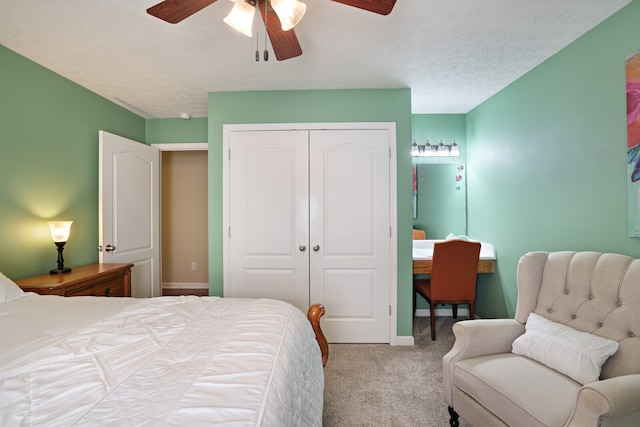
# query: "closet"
308,219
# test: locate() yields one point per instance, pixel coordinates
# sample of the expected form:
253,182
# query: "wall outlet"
194,266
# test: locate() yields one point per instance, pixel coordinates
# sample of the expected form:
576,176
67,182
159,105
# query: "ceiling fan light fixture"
290,12
241,17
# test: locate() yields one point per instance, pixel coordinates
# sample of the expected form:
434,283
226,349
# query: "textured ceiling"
453,54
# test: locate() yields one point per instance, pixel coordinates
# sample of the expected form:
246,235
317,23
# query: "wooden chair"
453,277
419,235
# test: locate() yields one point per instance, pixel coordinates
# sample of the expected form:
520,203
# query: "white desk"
423,256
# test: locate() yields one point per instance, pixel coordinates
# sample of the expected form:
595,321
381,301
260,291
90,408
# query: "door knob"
303,248
316,247
109,248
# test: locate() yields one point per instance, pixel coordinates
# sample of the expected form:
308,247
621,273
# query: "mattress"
175,361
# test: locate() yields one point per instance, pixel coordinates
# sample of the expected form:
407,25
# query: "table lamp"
60,234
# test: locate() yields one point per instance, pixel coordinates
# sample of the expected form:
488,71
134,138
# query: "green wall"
49,164
387,105
165,131
547,159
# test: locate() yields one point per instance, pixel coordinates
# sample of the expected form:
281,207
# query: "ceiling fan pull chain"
266,14
257,53
257,42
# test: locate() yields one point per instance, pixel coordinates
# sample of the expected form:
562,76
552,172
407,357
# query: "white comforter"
181,361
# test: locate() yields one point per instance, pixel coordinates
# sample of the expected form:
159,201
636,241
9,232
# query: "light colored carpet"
382,385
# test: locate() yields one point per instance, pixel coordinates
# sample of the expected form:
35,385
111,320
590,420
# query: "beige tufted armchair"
486,384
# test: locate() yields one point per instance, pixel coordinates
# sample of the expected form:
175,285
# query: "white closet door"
350,232
269,216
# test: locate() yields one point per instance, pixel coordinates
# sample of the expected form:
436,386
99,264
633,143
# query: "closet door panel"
268,216
349,293
350,226
272,283
349,219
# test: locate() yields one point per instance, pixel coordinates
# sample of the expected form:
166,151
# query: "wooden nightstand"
105,280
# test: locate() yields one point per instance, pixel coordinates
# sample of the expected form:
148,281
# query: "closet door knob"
303,248
316,247
109,248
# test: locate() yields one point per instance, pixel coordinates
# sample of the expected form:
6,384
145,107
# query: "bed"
174,361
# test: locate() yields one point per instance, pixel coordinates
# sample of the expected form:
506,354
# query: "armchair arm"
477,338
484,336
615,400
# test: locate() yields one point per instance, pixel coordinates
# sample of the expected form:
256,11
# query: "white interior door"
129,207
350,233
268,219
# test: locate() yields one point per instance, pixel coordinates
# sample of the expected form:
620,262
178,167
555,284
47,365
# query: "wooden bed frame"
315,312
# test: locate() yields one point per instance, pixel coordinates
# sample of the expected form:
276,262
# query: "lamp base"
59,271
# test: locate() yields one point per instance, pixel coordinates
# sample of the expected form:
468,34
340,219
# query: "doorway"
183,219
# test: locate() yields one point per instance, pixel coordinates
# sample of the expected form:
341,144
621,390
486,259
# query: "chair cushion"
579,355
518,390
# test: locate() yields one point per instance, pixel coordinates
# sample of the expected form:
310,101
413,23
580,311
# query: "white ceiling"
453,54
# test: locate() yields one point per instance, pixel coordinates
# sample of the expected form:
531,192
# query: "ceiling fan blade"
383,7
285,43
174,11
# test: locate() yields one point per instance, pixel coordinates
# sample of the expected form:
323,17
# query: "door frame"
393,199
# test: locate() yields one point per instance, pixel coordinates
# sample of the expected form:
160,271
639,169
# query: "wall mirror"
441,199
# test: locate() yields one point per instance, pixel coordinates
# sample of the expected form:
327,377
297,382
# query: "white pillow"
578,355
8,289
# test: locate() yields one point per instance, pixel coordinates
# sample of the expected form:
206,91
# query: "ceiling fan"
284,42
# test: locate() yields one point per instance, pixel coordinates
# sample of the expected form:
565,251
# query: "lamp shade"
443,150
60,230
415,151
430,150
455,150
290,12
241,17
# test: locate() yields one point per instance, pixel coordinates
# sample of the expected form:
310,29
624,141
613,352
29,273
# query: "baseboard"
441,312
404,340
180,285
173,292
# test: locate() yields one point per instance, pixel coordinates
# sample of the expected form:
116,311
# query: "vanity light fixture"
60,231
440,150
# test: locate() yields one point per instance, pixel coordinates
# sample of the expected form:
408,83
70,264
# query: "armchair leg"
453,421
